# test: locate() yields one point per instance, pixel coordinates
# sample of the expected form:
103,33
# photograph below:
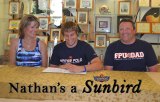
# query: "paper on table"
59,70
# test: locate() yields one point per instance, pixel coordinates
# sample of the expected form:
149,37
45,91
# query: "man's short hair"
69,26
128,20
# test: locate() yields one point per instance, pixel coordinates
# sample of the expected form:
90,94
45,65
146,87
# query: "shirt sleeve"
90,53
55,58
109,56
151,58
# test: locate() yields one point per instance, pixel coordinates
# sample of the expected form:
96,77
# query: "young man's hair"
69,26
128,20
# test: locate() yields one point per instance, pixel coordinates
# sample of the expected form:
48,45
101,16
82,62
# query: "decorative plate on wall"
104,9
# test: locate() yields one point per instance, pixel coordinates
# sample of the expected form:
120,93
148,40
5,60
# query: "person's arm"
54,66
95,64
43,50
12,51
151,59
93,59
153,68
108,59
108,67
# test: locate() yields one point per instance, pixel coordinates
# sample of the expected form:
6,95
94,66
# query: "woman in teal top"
27,50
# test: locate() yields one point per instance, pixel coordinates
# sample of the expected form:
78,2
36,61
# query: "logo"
101,78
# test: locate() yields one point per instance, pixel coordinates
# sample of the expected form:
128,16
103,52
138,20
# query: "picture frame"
113,39
44,21
14,7
124,8
103,24
13,24
143,27
70,18
24,7
11,36
70,3
155,3
55,33
155,28
144,3
119,18
43,38
82,17
83,37
100,40
39,7
56,20
86,4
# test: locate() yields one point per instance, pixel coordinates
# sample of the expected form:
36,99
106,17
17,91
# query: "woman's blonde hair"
25,21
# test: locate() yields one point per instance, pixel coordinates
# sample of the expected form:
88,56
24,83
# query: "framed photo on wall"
103,24
24,7
155,3
144,3
69,18
13,24
143,27
124,8
70,3
82,17
43,38
113,39
43,23
14,7
83,37
39,7
100,40
56,20
119,18
86,4
155,28
10,37
55,34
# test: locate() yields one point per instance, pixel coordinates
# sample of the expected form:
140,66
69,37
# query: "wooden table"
150,85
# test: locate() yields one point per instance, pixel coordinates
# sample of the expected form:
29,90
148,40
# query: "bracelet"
85,70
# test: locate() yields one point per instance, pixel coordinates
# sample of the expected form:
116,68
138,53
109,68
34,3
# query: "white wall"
2,27
4,17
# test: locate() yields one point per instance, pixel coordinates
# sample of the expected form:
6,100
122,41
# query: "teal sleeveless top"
28,58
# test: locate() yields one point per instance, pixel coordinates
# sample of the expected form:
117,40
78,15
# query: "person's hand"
72,67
